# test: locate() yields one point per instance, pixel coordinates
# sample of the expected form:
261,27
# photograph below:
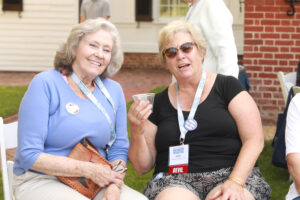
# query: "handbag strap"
85,142
90,146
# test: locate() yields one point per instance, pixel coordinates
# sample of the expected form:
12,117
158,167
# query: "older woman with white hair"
62,106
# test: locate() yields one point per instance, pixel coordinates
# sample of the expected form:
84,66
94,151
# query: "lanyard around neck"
190,10
91,97
197,97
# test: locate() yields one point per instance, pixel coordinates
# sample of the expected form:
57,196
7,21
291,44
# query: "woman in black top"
204,132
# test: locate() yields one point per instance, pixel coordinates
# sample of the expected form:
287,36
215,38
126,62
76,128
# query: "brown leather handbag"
85,151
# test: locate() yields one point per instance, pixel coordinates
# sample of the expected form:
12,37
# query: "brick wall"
142,61
271,44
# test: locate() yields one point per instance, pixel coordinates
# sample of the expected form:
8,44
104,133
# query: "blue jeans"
297,198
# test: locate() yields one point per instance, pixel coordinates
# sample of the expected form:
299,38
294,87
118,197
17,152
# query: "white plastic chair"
8,140
296,89
286,82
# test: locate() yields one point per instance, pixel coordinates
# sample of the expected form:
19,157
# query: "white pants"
33,186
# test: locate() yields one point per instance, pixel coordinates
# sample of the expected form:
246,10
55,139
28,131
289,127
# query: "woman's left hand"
227,191
112,192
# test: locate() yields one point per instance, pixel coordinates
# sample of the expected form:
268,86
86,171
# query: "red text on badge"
178,169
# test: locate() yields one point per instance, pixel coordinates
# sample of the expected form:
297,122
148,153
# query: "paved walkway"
133,81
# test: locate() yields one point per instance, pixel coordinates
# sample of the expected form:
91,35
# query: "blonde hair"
65,55
167,33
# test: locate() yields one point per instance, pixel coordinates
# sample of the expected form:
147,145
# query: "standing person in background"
213,21
91,9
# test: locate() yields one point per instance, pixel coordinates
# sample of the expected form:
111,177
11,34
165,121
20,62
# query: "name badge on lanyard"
179,155
93,99
179,159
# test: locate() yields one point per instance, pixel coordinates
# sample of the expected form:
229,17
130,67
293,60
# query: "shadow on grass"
278,178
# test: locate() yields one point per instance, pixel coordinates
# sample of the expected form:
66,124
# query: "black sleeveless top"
215,143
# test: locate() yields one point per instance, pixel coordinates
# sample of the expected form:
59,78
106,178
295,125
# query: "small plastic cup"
144,97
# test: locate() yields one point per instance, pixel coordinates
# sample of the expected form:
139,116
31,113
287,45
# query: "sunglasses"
185,48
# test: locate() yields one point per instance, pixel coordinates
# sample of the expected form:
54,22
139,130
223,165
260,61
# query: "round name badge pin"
190,124
72,108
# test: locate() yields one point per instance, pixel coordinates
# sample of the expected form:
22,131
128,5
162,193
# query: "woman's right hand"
103,175
142,151
139,112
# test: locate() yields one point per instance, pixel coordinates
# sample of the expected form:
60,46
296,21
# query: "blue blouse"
46,126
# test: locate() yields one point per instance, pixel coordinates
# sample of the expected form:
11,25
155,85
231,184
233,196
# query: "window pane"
182,11
173,3
164,11
183,4
173,12
163,2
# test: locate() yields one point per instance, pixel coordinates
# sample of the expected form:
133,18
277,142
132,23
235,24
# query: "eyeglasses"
185,48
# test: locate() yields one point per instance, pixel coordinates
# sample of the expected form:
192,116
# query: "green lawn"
278,178
10,98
